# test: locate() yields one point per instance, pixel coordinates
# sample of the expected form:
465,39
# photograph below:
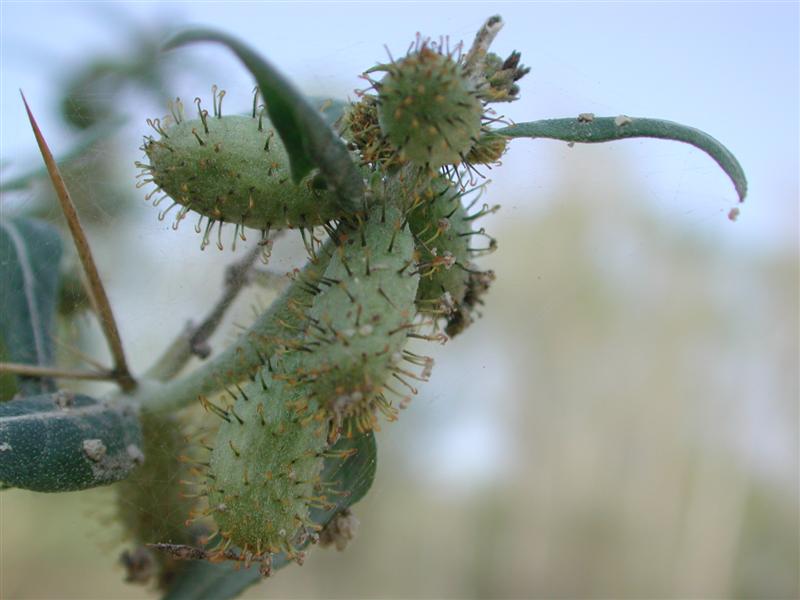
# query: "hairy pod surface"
451,286
264,469
428,109
441,229
360,320
233,169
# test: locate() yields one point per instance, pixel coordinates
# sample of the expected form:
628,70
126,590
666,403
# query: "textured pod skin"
264,468
235,169
428,109
360,320
451,287
441,230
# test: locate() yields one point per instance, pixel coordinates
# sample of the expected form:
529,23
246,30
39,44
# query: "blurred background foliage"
622,422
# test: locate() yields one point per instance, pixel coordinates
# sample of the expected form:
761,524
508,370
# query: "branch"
37,371
97,292
194,339
184,552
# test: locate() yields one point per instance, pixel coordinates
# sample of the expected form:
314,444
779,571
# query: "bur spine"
428,108
230,169
264,469
359,322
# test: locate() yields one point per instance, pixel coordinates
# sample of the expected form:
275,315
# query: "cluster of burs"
400,268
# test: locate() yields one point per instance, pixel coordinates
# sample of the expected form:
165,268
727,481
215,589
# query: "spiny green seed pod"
444,234
359,323
442,241
428,108
264,470
231,169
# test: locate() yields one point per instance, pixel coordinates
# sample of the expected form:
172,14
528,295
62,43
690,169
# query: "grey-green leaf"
351,479
309,141
30,253
203,580
63,442
589,129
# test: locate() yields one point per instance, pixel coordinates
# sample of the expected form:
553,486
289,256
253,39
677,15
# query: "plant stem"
97,292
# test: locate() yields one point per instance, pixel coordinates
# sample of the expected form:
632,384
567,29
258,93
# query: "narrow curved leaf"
309,141
30,253
591,130
351,479
62,442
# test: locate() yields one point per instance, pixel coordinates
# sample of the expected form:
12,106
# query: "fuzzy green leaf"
351,479
30,253
592,130
309,141
62,442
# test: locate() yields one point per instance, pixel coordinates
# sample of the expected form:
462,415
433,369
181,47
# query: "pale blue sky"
728,68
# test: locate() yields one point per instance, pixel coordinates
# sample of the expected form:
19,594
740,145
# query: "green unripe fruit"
360,321
264,469
233,169
428,108
451,287
441,229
